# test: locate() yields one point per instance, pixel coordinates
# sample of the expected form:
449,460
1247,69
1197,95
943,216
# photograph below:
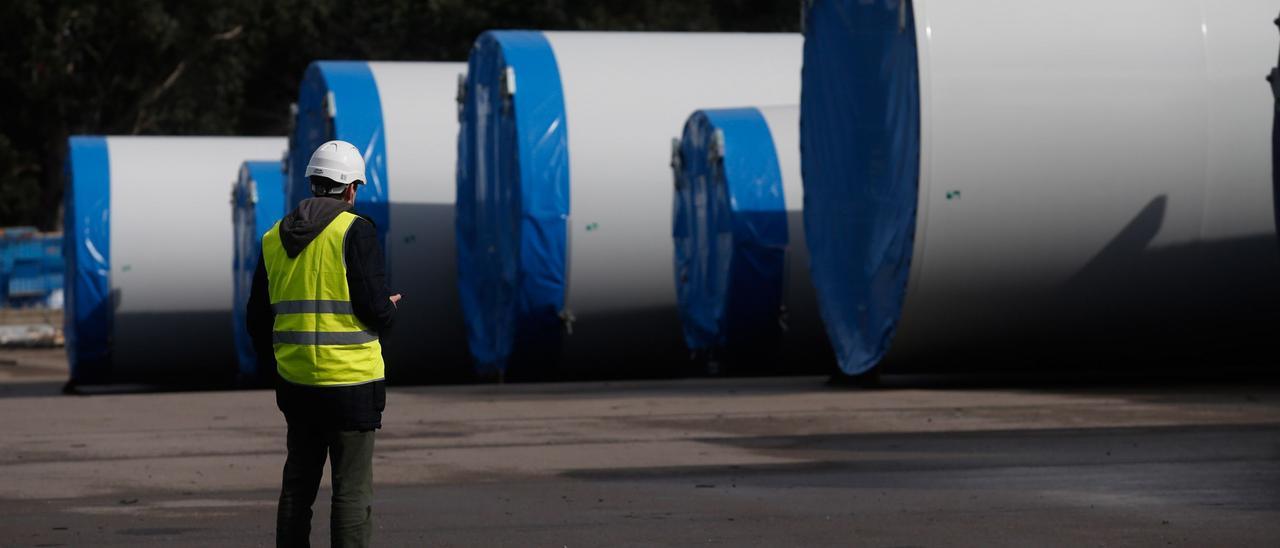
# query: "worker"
317,308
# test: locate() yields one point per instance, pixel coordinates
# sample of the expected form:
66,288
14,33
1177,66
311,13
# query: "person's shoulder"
362,222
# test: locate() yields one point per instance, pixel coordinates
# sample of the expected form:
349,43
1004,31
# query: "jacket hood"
302,225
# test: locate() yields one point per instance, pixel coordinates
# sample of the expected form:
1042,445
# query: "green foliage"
175,67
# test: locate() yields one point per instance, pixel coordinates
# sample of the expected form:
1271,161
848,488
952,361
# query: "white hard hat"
338,161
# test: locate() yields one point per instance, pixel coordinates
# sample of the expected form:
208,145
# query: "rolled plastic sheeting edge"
729,230
87,249
258,203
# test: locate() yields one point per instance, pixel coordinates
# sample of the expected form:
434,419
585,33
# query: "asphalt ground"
925,461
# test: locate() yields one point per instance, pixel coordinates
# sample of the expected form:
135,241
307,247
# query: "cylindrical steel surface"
564,193
983,173
148,244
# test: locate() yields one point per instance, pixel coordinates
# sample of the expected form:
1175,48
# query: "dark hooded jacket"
356,407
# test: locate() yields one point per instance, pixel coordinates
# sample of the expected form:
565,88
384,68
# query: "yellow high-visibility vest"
318,340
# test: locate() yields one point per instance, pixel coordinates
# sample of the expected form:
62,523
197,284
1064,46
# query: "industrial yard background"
1088,358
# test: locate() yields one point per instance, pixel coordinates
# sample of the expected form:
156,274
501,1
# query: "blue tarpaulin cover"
87,248
730,231
257,203
31,267
860,155
513,198
339,100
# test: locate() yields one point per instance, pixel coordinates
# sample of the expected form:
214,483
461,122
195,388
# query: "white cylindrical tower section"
149,244
578,125
983,174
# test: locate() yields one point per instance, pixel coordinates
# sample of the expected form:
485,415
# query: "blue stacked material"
32,286
257,203
16,232
860,149
30,267
730,232
14,244
25,280
18,244
26,244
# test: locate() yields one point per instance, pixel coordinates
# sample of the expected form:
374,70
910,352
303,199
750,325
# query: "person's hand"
395,299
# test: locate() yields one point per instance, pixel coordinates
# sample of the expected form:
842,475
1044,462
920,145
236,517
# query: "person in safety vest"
318,305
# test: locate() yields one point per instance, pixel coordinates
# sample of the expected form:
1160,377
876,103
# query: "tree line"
232,67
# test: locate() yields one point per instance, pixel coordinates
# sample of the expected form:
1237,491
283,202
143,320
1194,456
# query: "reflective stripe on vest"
317,338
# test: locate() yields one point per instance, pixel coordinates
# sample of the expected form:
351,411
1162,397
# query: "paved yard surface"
927,461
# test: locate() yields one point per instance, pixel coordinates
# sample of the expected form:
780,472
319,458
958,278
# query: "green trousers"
351,463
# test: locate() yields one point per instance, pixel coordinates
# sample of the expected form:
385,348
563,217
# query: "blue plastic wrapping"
860,155
87,249
339,100
31,266
512,199
729,226
257,203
